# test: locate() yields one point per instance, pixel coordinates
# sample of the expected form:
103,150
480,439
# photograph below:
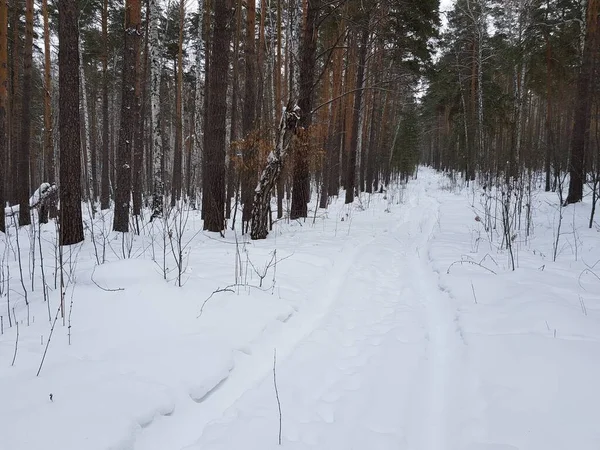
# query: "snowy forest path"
385,359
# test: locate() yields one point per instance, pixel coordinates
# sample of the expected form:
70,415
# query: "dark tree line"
161,106
514,93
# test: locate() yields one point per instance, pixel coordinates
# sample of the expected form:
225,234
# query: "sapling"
48,341
21,267
176,239
70,312
17,338
91,216
560,216
276,390
31,236
43,272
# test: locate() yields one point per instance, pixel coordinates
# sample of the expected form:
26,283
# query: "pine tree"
581,124
23,176
213,208
71,224
105,178
125,145
3,106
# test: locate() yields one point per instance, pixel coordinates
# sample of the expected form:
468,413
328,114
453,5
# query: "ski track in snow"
250,367
378,345
382,354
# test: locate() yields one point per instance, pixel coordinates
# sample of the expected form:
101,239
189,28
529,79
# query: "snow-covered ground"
383,338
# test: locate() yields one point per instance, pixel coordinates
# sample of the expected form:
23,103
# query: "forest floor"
396,322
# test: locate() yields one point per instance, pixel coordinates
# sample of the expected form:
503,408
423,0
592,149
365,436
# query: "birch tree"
155,78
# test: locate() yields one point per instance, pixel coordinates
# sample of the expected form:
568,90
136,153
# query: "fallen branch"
103,288
583,273
470,262
229,288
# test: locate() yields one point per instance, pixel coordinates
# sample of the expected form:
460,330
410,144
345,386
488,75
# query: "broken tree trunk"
270,174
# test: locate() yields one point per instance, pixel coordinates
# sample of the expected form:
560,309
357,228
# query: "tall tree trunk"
260,60
49,166
25,144
249,117
14,118
214,177
178,151
234,134
139,138
277,71
375,120
198,87
581,124
334,140
362,57
105,180
70,219
308,56
156,125
279,95
207,63
348,106
85,130
549,140
94,142
3,106
124,152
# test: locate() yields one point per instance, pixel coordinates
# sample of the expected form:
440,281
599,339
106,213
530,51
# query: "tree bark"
71,224
156,125
308,55
105,180
23,178
3,106
139,138
85,131
214,177
178,151
270,175
125,145
234,132
49,166
198,87
581,124
362,56
249,117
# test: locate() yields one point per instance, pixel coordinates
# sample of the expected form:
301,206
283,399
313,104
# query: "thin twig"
229,288
276,390
17,340
225,289
48,341
584,272
103,288
473,289
470,262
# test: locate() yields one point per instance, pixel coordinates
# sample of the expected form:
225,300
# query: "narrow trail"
380,369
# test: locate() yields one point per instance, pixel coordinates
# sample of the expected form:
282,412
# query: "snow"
45,190
383,341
